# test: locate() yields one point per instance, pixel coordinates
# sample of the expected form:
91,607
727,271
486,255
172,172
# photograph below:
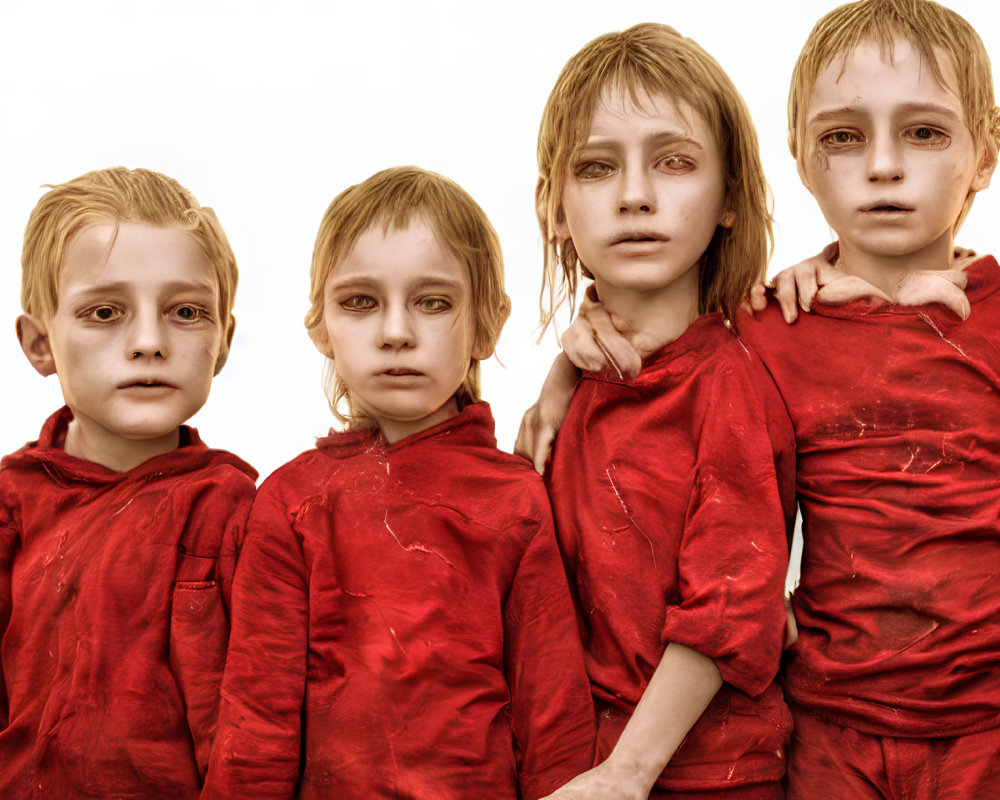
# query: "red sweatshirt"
897,417
673,498
112,611
402,627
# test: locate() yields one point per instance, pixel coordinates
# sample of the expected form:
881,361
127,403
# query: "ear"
728,218
559,226
224,352
34,339
321,339
988,163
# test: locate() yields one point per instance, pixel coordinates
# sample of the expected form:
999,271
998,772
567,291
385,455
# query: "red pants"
827,761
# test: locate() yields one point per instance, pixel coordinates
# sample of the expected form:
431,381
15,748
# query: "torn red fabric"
674,499
113,593
402,627
897,417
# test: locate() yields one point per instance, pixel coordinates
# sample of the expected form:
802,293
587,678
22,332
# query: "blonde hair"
391,198
927,26
112,196
652,59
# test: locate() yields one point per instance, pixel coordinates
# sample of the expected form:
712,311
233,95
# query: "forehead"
620,112
136,256
870,79
392,254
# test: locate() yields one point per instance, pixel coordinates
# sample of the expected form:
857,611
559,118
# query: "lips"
886,207
147,383
401,372
637,237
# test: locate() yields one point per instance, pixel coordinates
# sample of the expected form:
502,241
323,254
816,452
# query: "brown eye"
674,163
842,138
592,169
358,302
188,313
102,314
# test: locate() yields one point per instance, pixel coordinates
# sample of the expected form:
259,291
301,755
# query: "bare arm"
682,686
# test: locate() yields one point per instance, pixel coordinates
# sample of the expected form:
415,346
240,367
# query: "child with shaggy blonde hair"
402,621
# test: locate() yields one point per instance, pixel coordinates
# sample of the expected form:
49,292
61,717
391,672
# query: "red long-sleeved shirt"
113,617
402,627
897,417
673,499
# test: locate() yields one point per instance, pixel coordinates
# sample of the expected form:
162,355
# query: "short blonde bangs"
392,198
112,196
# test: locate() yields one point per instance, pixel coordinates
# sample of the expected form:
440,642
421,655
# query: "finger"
784,290
757,299
805,285
580,347
962,253
620,354
924,288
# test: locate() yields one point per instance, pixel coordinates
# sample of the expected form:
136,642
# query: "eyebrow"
119,287
658,139
846,111
365,281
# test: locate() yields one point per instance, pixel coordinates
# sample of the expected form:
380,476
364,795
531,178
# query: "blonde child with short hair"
672,495
402,621
117,526
893,681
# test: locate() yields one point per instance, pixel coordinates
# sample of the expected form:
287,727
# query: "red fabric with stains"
402,618
897,418
673,499
829,761
113,591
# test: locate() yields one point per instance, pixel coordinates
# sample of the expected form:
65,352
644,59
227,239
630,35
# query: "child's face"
136,336
888,156
398,325
644,195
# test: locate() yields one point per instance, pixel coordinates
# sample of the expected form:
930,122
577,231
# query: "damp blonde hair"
391,199
651,60
934,31
112,196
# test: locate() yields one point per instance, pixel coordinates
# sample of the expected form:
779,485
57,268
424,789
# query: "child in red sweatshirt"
114,565
402,624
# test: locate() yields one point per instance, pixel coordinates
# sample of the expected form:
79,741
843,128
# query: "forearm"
680,689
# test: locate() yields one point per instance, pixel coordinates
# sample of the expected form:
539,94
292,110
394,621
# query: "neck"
887,272
113,452
656,317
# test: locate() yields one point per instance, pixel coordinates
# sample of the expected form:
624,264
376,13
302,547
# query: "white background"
266,111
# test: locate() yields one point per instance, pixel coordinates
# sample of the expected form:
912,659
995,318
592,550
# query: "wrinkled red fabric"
828,761
674,499
113,592
402,627
897,417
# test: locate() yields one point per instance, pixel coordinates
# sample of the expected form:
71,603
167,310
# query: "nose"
147,338
885,162
396,328
637,193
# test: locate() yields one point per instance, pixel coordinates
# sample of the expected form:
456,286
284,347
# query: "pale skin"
881,139
642,201
397,323
135,340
